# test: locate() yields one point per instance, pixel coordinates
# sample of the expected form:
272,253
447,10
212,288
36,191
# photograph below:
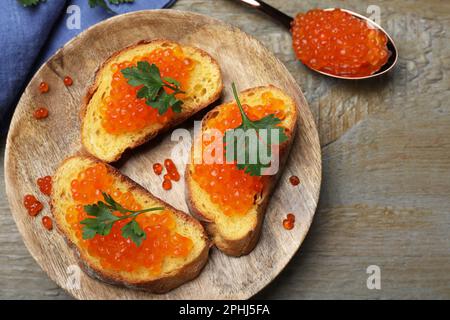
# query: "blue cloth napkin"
29,36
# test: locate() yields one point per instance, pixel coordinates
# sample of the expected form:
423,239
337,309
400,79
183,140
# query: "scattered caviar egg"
68,81
294,180
45,185
157,168
336,42
43,87
47,222
288,224
290,216
234,190
32,205
167,184
41,113
122,111
172,170
113,251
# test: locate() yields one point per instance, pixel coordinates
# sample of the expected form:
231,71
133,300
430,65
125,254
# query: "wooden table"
385,197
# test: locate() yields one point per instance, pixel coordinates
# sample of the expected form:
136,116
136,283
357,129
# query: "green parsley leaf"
148,77
27,3
120,1
102,4
103,220
133,231
242,143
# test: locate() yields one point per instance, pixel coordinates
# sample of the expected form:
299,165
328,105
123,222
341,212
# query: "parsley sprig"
149,77
102,4
27,3
104,219
242,143
92,3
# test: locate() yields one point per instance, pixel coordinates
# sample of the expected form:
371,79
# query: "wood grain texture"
386,159
35,148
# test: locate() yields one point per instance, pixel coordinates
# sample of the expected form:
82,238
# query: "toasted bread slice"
237,235
204,87
175,270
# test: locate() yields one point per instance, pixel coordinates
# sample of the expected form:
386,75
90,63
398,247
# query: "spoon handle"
281,17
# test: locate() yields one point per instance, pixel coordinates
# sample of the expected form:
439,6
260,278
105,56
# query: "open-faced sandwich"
121,233
145,89
231,197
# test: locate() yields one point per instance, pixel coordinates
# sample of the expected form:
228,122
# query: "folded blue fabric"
29,36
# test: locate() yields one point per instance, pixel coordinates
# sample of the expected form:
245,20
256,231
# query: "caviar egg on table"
122,111
113,250
231,188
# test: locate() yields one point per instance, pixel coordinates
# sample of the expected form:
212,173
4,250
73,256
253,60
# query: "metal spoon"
286,21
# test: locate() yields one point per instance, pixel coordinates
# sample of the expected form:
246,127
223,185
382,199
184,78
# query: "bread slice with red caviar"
170,271
238,234
102,133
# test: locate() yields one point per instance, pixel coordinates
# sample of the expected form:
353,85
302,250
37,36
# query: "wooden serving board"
35,148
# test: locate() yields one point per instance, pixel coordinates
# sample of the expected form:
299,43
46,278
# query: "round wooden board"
35,148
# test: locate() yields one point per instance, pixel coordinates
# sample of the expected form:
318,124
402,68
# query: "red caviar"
336,42
45,185
41,113
68,81
47,222
232,189
32,205
157,168
122,111
114,251
172,170
43,87
167,184
294,180
289,222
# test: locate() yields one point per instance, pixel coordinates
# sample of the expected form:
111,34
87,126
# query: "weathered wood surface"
386,160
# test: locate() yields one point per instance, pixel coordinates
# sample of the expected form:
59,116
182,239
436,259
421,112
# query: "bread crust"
91,90
244,245
159,285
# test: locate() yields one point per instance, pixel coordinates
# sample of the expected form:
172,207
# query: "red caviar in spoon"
334,41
